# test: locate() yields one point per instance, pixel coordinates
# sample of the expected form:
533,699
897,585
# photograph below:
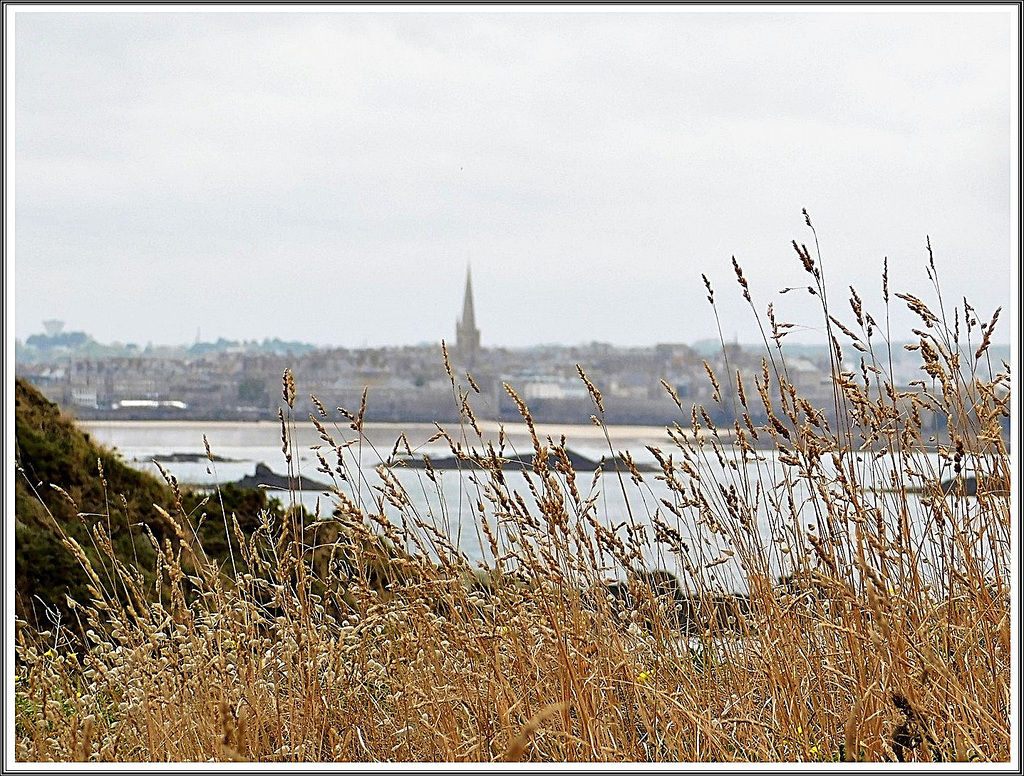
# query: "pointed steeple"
468,314
467,335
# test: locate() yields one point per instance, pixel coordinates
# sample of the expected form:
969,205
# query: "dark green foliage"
51,451
70,339
213,510
253,391
44,572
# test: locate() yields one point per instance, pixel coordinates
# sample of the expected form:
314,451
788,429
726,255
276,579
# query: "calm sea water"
449,504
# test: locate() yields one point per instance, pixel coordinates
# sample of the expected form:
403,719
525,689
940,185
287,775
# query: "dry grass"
887,638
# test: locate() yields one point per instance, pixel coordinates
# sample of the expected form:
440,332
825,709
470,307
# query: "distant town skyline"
327,176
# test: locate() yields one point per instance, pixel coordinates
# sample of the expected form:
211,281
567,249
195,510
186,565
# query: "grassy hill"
67,485
51,451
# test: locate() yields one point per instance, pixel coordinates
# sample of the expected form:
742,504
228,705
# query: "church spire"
468,314
467,335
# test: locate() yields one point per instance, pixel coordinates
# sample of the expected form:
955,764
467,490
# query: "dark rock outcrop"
265,477
579,463
969,486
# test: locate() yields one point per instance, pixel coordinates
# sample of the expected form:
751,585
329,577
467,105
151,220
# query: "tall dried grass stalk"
832,601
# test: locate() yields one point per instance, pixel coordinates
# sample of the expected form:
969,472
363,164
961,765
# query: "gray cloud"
328,176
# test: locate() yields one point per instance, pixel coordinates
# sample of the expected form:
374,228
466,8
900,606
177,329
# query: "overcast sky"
328,176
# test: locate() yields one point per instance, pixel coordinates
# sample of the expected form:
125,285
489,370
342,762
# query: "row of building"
411,383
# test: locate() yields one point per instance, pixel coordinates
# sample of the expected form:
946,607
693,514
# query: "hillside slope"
50,450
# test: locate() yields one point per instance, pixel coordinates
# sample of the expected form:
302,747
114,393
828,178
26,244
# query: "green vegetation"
869,620
68,488
67,485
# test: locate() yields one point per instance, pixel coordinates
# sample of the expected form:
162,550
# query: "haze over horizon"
699,344
328,176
